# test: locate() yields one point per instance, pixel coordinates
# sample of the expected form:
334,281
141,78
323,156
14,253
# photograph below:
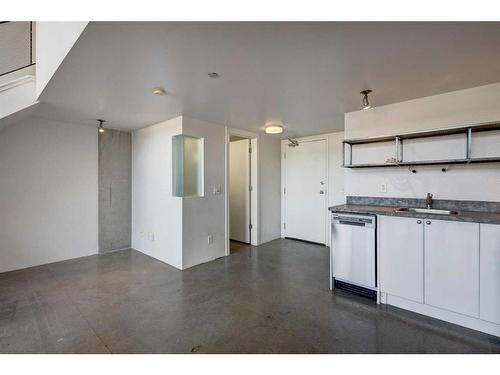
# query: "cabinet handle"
428,222
419,221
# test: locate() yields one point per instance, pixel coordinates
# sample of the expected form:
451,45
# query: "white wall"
204,216
156,214
182,226
336,194
457,108
239,194
48,193
468,182
53,42
270,187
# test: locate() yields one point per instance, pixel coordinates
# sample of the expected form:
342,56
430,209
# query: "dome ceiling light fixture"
366,103
100,127
274,129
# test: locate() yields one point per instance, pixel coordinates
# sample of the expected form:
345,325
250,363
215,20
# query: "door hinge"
284,225
284,190
250,226
250,187
249,150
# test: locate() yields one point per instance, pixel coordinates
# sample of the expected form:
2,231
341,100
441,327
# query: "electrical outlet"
210,239
383,188
217,190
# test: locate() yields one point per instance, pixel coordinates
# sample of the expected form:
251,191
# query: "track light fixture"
366,103
100,127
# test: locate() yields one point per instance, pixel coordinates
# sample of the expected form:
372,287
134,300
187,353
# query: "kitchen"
420,228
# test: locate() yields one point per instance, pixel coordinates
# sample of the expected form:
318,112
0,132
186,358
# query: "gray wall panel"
115,150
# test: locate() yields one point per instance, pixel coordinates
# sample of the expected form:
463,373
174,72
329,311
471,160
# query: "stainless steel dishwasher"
354,253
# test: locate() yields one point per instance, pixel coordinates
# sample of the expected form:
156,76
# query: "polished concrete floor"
270,299
235,246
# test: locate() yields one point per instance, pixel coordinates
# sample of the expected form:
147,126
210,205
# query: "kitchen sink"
427,211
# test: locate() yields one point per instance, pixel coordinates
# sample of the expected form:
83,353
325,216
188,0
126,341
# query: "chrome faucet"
428,200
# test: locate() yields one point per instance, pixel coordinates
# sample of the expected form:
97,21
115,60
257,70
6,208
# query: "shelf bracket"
343,153
344,161
398,150
468,146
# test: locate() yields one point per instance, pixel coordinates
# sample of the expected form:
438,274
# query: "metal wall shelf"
399,144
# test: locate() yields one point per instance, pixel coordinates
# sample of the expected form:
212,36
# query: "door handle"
419,221
428,222
322,192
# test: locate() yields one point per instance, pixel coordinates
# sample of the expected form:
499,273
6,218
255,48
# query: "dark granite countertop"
353,206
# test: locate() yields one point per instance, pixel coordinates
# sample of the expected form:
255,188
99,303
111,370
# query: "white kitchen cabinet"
451,265
489,265
401,255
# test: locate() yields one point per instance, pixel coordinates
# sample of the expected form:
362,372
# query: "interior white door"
239,192
305,194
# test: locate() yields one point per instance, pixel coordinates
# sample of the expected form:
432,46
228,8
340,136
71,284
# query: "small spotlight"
366,103
160,91
100,127
213,75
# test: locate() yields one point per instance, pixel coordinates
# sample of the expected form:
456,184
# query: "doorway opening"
241,191
240,204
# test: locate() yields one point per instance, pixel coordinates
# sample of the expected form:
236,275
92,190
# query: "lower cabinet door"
401,254
489,282
451,259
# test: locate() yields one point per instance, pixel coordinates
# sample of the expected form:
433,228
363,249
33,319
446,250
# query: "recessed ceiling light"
213,75
274,129
100,127
366,103
159,91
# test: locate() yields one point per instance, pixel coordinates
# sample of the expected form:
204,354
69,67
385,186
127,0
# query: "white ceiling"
306,75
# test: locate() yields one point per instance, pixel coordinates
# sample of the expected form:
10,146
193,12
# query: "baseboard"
305,241
240,242
448,316
46,263
103,252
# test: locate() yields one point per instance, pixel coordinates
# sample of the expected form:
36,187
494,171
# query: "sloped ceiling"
306,75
